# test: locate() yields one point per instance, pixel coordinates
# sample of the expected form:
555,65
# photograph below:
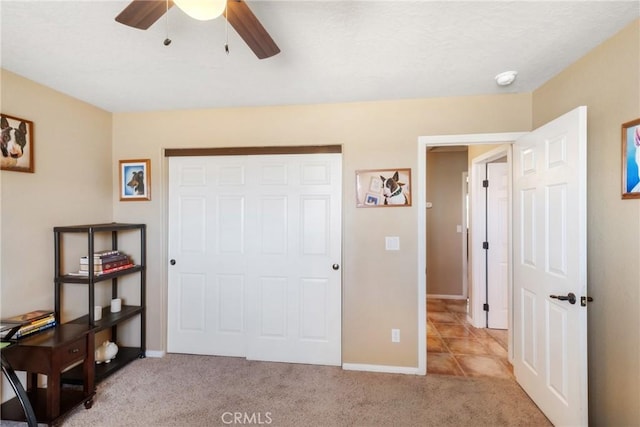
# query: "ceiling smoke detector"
506,78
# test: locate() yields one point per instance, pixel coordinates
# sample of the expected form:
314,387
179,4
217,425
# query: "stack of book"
105,262
29,323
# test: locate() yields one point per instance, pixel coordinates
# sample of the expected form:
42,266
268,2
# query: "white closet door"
254,239
294,296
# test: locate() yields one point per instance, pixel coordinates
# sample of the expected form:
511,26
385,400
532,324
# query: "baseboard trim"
155,353
381,368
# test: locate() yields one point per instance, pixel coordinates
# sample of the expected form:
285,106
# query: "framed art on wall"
135,180
631,160
16,144
383,188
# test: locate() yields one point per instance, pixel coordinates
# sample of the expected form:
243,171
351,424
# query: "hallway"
454,347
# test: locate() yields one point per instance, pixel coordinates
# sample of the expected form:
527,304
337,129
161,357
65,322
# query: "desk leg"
53,393
8,371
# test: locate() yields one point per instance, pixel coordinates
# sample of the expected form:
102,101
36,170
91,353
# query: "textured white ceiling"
332,51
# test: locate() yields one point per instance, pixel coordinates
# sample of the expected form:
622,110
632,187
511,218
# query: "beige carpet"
186,390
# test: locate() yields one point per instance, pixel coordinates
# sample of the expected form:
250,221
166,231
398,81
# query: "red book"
106,266
103,272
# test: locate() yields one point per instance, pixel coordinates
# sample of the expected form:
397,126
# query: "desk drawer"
73,352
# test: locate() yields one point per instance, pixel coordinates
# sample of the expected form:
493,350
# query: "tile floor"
454,347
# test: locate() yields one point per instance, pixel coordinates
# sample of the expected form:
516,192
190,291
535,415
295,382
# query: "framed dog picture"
631,160
16,144
135,180
383,188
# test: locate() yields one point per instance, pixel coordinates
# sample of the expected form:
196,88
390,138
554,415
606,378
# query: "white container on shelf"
116,305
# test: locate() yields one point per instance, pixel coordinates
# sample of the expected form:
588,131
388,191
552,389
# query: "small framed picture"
16,144
631,160
383,188
372,199
135,180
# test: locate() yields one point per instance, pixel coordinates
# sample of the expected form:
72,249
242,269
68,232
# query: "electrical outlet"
395,335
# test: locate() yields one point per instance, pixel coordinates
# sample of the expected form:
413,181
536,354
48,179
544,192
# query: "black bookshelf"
91,280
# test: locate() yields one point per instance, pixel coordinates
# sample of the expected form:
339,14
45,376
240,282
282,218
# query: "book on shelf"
99,267
85,273
104,259
106,252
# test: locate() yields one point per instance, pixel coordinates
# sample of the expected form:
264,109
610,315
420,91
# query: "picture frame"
376,188
16,144
135,180
631,160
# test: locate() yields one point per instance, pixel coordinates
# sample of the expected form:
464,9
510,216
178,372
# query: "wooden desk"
50,353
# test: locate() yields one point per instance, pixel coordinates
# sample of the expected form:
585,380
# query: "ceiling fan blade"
250,29
143,13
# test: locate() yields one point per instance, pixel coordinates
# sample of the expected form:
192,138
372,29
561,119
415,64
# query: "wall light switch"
392,243
459,228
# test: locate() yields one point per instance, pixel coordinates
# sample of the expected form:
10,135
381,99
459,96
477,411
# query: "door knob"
335,266
571,297
172,262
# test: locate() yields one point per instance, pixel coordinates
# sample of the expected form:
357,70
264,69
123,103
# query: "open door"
497,214
550,267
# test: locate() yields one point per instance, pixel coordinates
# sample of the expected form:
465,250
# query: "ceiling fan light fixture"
202,10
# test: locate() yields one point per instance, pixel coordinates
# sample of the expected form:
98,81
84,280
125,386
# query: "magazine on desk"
20,326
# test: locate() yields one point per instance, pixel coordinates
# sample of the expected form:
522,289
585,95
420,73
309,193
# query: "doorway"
455,345
446,216
473,141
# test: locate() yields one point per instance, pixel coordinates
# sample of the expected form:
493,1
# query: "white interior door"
254,239
498,253
549,223
207,241
294,310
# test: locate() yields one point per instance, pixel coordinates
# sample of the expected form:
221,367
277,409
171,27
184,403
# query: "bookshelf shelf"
125,355
75,278
95,233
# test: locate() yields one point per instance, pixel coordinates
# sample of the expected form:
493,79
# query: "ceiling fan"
142,14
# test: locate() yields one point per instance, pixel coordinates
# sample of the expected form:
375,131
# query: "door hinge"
485,183
485,245
485,307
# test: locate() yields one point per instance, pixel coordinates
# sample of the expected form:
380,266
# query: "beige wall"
379,287
71,185
444,242
607,81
